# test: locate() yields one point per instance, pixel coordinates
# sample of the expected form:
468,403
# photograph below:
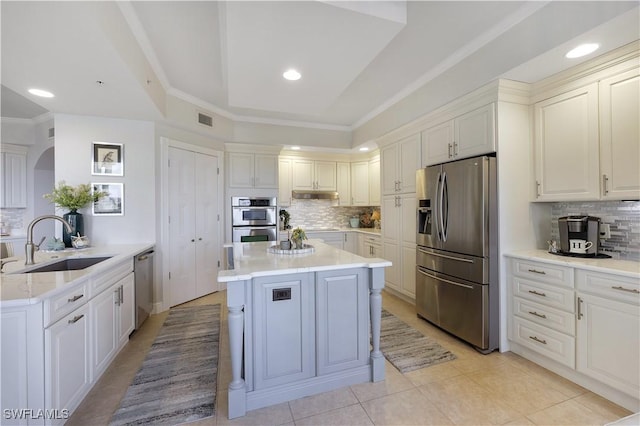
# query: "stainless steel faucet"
29,247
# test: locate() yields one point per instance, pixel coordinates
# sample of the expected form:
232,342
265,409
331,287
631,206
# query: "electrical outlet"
605,231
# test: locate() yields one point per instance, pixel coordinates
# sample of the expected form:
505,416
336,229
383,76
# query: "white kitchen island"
299,323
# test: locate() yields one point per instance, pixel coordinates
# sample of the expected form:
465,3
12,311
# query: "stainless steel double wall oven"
254,219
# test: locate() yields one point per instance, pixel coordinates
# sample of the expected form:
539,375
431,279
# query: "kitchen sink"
70,264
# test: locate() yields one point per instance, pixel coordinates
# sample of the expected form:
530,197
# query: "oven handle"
460,259
444,280
254,227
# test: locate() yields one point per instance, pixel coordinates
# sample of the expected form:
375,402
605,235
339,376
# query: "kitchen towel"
177,380
408,349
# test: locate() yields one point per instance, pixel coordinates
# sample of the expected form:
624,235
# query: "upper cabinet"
587,141
314,175
465,136
253,170
400,161
374,182
284,182
360,183
343,185
14,176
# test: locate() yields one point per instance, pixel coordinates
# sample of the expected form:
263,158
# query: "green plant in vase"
73,198
298,236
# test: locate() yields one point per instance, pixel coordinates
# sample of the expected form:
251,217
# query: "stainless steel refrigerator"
457,249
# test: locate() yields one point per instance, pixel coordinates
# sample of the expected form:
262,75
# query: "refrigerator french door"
456,258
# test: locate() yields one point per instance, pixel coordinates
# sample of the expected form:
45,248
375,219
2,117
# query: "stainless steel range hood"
314,195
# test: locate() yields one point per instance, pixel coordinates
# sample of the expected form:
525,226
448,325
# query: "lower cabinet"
67,361
335,239
370,246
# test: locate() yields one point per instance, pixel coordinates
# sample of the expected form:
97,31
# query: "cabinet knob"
193,240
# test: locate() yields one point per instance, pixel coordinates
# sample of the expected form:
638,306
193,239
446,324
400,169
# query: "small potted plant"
297,236
73,198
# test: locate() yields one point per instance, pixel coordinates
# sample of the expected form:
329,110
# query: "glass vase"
76,221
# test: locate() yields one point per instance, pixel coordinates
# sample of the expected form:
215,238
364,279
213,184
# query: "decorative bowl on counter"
80,242
306,248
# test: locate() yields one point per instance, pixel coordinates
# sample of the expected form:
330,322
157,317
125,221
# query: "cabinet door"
266,171
409,163
351,243
343,184
325,172
303,175
389,169
284,182
360,183
437,144
67,369
103,310
566,146
14,180
608,342
342,320
374,182
241,172
620,136
207,225
392,274
126,309
408,270
407,205
475,133
391,240
283,329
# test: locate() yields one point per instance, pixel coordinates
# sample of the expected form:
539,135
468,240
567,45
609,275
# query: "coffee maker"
579,235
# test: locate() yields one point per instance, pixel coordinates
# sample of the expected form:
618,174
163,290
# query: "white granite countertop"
21,289
253,260
611,266
372,231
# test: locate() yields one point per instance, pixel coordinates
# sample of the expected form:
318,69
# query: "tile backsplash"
622,216
318,214
13,219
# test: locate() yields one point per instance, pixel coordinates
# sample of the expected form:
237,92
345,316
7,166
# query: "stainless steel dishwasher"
143,272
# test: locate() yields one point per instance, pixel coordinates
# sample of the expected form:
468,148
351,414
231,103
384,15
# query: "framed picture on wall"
113,203
108,159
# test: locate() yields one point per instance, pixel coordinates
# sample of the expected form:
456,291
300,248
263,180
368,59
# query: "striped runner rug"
177,380
408,349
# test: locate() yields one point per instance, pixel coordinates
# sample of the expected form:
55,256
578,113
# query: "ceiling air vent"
205,119
52,132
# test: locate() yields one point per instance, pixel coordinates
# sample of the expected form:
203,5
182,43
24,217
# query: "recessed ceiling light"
295,148
582,50
291,75
41,93
364,148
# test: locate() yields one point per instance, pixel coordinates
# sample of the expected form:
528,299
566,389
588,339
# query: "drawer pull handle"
535,271
630,290
538,315
537,293
76,319
76,297
544,342
579,308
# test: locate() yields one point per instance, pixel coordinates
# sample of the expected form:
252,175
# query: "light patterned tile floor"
474,389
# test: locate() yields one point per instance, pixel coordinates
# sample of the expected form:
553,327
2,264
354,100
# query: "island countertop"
253,260
23,289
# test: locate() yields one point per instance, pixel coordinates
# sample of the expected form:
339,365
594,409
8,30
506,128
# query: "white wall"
73,154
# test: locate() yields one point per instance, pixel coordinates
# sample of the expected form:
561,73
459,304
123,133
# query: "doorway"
43,183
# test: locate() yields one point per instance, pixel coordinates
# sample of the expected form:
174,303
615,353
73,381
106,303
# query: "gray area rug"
408,349
177,380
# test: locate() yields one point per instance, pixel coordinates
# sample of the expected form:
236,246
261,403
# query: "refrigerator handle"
442,210
437,207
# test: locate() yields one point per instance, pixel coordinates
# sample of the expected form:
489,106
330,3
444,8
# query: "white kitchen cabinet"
620,136
370,246
374,182
467,135
399,242
360,183
399,162
608,329
342,320
566,146
67,360
14,176
284,182
351,242
314,175
253,170
343,184
194,225
284,324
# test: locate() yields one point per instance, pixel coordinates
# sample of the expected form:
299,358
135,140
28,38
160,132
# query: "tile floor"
474,389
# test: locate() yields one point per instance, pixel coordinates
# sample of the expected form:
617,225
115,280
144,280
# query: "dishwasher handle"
145,255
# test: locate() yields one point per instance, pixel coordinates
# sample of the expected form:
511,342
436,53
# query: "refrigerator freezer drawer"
457,306
470,268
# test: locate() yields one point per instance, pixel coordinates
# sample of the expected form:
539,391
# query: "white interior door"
207,224
182,226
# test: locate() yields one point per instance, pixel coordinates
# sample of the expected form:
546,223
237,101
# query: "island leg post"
237,392
375,305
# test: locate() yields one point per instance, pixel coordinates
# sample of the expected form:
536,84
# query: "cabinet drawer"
545,294
616,287
104,280
545,341
561,321
61,305
543,272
